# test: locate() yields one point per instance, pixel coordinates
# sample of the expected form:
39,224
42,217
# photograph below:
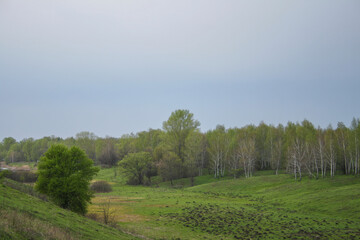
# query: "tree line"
180,150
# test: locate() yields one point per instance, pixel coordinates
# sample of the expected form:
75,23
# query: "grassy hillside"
261,207
25,217
338,197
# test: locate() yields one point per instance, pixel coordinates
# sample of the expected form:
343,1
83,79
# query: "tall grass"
28,189
19,225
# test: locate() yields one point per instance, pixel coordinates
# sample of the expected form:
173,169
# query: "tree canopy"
136,166
179,125
64,175
298,148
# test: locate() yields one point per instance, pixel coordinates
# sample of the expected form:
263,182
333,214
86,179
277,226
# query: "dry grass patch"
32,228
112,204
114,199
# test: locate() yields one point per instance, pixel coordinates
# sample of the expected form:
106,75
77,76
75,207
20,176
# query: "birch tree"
342,135
296,150
276,139
330,154
234,157
218,148
263,146
247,150
354,145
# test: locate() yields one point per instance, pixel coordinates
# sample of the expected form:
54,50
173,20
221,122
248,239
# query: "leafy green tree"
136,166
7,142
69,142
5,147
86,141
39,147
178,127
106,152
195,154
27,146
64,174
148,140
2,151
169,167
125,145
15,154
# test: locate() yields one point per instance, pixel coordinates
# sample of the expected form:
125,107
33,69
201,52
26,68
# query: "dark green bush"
22,176
4,173
101,187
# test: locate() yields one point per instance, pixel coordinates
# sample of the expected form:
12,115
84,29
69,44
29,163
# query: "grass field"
262,207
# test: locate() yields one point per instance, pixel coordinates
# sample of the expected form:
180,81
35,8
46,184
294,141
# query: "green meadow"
265,206
262,207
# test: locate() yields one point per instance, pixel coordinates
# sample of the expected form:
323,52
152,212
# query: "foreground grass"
25,217
261,207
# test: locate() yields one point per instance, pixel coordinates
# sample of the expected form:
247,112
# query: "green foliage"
169,166
137,166
195,154
4,173
298,148
86,141
64,175
22,176
8,142
101,187
178,127
106,153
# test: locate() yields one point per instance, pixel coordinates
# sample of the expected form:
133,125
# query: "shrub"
22,176
101,187
4,173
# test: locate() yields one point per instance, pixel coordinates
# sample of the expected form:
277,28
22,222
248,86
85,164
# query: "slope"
25,217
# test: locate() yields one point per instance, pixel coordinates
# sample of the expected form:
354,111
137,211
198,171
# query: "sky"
115,67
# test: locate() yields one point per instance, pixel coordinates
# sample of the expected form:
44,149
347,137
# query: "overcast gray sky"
119,66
